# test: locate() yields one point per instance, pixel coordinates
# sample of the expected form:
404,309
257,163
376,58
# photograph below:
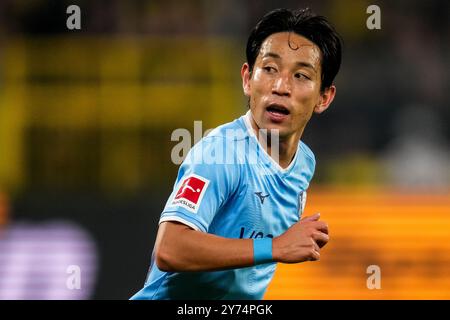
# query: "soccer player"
227,223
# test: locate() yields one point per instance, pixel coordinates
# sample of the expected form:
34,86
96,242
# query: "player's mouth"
277,112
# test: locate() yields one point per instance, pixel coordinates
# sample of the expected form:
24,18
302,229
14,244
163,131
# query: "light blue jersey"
229,186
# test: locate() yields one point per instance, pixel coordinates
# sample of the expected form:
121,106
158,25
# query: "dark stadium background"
86,117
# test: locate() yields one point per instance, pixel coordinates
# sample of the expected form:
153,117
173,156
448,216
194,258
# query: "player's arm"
179,248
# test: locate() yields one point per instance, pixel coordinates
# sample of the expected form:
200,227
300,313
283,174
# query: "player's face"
284,87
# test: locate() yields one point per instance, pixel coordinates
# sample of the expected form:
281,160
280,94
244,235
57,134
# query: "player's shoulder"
218,146
225,136
231,131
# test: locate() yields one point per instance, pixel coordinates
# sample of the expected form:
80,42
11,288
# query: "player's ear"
325,99
246,75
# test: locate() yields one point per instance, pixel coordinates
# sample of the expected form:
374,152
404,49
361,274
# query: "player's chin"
283,129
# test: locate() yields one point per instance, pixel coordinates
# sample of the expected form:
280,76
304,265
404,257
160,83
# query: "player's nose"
282,86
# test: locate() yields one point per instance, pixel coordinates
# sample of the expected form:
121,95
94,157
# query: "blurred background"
86,118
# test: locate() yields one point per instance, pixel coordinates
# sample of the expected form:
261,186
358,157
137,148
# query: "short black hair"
315,28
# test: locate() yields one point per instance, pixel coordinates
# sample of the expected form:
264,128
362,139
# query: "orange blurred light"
406,235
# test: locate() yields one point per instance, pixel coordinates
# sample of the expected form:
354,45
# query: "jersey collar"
247,121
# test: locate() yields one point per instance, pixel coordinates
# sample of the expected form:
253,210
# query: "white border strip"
178,219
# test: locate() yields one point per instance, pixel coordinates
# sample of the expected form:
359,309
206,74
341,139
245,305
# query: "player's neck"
287,146
287,149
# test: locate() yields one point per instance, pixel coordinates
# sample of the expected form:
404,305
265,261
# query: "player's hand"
301,242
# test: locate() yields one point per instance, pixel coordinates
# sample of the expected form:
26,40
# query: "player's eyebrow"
298,63
272,55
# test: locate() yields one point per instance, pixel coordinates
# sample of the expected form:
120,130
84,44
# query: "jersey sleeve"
202,186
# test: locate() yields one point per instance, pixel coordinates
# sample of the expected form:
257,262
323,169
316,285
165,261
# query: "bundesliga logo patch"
191,192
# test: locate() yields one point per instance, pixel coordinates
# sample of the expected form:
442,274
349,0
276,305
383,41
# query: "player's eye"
269,69
299,75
